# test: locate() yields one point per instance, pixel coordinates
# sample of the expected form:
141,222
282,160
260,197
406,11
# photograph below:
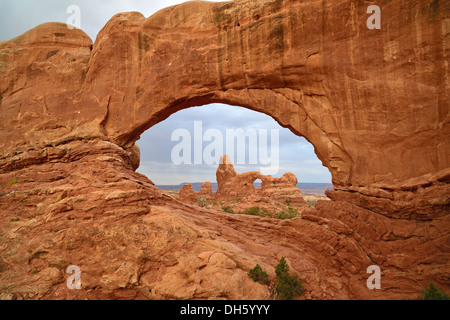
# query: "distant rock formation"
282,189
206,191
235,186
232,185
187,193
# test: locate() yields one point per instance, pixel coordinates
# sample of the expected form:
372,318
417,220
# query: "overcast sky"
295,153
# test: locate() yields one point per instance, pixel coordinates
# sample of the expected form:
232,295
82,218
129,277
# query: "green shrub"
282,268
253,211
56,201
287,285
201,202
258,275
227,209
432,293
281,215
289,214
14,181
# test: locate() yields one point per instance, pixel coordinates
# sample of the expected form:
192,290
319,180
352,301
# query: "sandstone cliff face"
374,103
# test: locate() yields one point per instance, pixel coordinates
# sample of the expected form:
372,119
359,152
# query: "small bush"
201,202
253,211
56,201
281,215
259,275
14,181
289,214
227,209
282,268
432,293
287,285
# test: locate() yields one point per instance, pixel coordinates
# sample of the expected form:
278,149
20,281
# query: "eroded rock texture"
232,185
187,193
374,103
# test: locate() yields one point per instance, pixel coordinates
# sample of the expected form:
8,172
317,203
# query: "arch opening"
257,183
304,116
184,151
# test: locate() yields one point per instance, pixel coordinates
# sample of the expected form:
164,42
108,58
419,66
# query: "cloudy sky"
157,148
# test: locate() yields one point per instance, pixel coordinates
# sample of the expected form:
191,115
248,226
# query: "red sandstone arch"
374,103
378,122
